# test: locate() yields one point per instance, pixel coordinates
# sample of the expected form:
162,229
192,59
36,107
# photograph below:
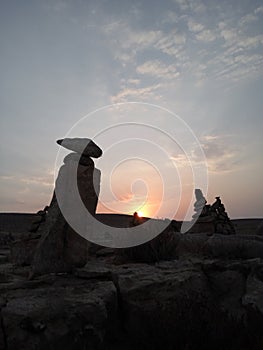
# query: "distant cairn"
210,218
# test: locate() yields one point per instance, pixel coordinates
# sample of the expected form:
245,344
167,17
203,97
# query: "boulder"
60,247
60,314
83,146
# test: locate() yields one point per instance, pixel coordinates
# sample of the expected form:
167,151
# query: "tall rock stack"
60,248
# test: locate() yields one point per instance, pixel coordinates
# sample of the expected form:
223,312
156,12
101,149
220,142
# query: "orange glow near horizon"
140,213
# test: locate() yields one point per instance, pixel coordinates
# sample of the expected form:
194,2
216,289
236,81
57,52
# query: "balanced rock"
83,146
61,248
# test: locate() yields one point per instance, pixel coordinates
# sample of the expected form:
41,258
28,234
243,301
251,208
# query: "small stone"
83,146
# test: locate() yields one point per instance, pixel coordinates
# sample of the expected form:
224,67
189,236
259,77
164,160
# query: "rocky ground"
208,295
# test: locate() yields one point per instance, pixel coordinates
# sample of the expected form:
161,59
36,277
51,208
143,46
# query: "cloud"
229,35
171,17
183,4
247,19
220,155
231,58
206,35
133,81
170,44
39,180
194,26
126,42
180,160
158,69
258,10
26,193
136,94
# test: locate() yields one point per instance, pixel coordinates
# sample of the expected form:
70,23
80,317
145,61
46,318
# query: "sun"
140,213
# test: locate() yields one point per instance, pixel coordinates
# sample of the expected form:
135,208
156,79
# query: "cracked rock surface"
191,303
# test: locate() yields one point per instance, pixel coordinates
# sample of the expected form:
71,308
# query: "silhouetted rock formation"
83,146
60,247
211,218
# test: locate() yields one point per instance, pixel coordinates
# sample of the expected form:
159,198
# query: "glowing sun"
140,213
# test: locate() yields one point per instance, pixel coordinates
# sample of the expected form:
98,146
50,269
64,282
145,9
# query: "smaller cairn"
223,223
211,218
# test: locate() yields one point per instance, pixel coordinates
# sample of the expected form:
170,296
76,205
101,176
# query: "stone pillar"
60,248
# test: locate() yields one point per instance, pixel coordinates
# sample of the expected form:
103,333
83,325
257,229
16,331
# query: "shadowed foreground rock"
219,246
171,244
187,304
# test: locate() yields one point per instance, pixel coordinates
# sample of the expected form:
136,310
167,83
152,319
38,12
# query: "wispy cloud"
158,69
206,35
194,26
136,94
221,155
258,10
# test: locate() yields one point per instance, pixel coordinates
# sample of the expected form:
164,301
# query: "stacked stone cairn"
60,248
211,218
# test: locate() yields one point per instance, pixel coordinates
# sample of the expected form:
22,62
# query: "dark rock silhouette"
162,247
191,303
60,247
211,218
83,146
136,220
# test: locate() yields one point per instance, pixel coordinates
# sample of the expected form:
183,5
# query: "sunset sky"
194,69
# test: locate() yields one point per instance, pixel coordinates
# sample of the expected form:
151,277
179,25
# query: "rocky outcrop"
170,245
183,304
60,248
65,313
219,246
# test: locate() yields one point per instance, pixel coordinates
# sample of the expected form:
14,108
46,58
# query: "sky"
170,90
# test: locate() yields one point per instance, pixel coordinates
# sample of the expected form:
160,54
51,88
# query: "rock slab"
83,146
